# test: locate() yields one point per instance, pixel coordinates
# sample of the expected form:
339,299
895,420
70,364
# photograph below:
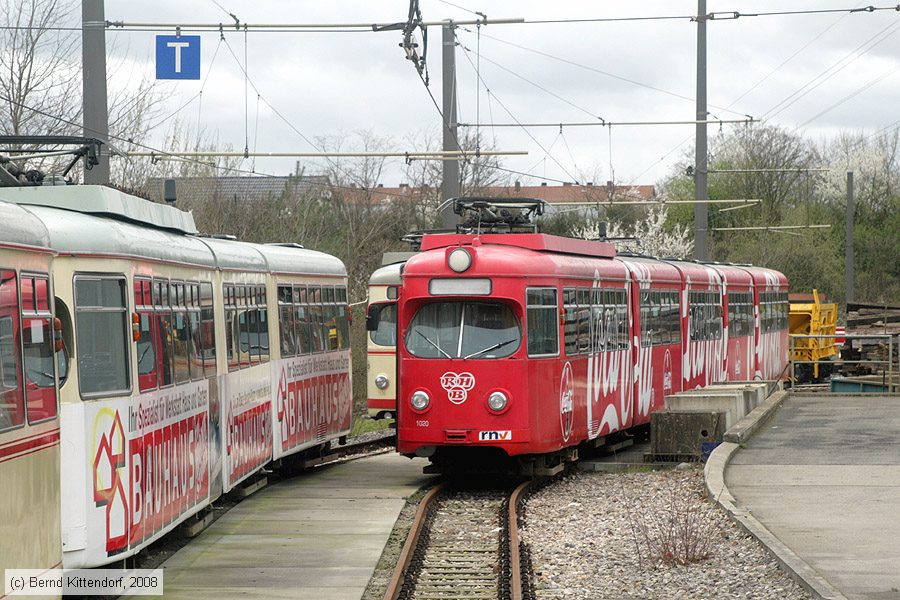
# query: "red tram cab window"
11,402
39,354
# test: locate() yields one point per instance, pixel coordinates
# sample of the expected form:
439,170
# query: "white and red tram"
29,420
530,344
191,363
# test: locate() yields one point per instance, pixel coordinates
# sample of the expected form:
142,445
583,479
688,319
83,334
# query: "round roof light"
459,260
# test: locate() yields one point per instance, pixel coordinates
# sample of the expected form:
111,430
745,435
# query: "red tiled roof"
552,194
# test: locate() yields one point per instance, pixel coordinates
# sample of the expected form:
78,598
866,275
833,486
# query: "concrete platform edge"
741,431
714,474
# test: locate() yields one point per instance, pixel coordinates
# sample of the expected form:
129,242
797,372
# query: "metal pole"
93,60
701,212
848,250
450,183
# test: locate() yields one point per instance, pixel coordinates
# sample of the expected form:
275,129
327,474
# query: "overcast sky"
333,83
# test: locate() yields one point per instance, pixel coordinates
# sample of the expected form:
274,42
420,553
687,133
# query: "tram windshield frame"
463,329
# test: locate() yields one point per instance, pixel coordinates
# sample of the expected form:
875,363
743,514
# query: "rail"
458,566
889,370
409,547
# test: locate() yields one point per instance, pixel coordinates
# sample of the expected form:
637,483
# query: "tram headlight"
382,381
497,401
459,260
419,400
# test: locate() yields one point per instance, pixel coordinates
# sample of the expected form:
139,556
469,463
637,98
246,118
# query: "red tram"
527,345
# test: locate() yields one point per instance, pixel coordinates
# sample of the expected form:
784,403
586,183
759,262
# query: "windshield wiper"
489,348
439,349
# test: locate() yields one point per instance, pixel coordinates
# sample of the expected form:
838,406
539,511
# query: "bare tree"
477,173
40,79
366,222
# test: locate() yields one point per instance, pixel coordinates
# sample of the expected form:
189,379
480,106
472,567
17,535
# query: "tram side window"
165,359
262,325
38,356
609,317
740,314
301,320
12,412
542,319
286,321
180,334
615,320
646,324
149,339
773,310
330,312
570,323
195,341
101,329
660,324
316,319
246,325
207,330
583,296
343,317
243,325
705,316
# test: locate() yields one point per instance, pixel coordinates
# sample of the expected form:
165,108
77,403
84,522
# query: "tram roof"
387,275
18,226
72,220
540,242
84,234
104,202
235,255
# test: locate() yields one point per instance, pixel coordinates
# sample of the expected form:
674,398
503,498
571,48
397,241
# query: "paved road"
824,476
317,536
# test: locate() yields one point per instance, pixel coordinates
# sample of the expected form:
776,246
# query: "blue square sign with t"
178,57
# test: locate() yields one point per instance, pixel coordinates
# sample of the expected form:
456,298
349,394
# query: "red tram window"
148,344
39,354
12,412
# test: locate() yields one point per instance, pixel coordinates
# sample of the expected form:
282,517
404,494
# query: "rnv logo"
495,436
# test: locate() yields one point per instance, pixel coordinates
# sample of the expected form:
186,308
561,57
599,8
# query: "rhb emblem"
457,386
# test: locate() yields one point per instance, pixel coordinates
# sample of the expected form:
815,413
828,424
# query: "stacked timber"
871,319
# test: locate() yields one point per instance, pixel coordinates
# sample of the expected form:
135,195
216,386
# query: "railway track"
463,544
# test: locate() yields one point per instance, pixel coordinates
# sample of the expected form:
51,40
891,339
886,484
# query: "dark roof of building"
248,188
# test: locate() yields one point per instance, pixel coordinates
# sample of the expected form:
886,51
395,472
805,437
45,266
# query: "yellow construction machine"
812,319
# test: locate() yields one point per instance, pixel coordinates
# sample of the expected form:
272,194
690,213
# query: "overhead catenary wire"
513,117
711,16
771,227
148,148
832,70
602,72
369,26
530,82
414,155
602,123
601,189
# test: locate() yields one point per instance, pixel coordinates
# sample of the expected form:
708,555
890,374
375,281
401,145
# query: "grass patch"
363,425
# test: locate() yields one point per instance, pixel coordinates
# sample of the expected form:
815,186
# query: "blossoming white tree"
647,236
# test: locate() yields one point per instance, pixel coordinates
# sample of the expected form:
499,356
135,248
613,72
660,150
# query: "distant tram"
189,363
381,325
529,345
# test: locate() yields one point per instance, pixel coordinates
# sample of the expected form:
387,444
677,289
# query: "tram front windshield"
463,330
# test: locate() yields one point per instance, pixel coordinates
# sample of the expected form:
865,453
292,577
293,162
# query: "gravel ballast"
582,531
